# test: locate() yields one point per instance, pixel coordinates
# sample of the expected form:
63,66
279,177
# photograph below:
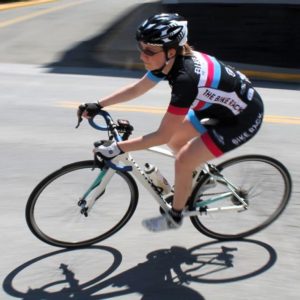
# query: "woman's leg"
185,133
190,152
190,156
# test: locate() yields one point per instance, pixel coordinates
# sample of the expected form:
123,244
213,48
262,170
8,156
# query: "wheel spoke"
262,182
54,216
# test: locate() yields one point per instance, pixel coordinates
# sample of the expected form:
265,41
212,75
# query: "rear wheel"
54,216
263,182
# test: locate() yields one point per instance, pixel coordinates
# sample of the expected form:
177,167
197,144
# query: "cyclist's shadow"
164,275
160,277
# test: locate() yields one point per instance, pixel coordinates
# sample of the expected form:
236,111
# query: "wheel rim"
267,186
58,221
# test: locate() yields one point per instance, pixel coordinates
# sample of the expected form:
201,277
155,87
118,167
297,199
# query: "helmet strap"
159,70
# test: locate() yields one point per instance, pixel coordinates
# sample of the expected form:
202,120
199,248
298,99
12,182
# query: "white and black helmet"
167,30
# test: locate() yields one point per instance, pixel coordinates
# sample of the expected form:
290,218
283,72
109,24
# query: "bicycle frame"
106,174
125,162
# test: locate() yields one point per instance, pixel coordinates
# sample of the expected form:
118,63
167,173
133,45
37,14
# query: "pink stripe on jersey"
210,69
199,105
210,144
178,110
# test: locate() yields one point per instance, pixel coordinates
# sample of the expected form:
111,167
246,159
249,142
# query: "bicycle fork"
98,189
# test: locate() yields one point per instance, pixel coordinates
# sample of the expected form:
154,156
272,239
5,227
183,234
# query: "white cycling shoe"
161,223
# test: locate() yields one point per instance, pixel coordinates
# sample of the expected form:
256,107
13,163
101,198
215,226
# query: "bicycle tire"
53,214
273,187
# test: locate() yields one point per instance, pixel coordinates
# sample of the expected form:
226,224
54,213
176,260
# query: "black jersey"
201,82
204,87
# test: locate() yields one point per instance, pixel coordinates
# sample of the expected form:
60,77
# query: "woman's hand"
88,110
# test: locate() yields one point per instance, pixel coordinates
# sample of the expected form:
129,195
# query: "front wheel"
54,216
263,182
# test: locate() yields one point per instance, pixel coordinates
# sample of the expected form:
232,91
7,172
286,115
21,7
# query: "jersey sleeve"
155,77
184,92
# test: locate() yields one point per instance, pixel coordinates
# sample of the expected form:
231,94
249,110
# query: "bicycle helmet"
166,30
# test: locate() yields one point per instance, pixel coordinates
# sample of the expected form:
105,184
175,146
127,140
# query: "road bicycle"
86,202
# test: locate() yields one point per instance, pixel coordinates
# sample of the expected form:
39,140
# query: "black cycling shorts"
227,135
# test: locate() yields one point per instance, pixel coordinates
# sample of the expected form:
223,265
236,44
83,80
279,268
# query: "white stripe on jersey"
201,68
229,100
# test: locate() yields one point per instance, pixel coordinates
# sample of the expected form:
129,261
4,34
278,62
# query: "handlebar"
106,116
111,126
114,129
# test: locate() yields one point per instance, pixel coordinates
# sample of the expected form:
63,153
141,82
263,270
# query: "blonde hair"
185,50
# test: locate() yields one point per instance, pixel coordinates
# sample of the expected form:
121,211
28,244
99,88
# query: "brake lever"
80,111
79,121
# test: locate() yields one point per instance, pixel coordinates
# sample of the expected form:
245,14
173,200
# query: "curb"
272,76
130,60
23,4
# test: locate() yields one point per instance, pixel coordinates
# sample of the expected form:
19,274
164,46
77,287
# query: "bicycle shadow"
165,274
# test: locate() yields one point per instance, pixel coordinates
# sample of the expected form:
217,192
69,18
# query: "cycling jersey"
204,87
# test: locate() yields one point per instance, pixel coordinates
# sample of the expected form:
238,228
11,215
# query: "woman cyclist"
202,88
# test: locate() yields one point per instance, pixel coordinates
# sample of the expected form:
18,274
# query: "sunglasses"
147,52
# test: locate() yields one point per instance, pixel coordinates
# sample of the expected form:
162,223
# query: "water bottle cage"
158,189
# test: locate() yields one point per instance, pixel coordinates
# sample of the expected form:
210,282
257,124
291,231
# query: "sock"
176,215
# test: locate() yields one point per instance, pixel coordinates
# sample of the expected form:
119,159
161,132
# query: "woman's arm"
129,92
169,124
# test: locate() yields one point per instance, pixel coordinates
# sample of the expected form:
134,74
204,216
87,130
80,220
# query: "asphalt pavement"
38,102
38,136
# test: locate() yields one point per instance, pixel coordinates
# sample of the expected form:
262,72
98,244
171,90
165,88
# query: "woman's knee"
182,137
174,147
182,161
176,143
